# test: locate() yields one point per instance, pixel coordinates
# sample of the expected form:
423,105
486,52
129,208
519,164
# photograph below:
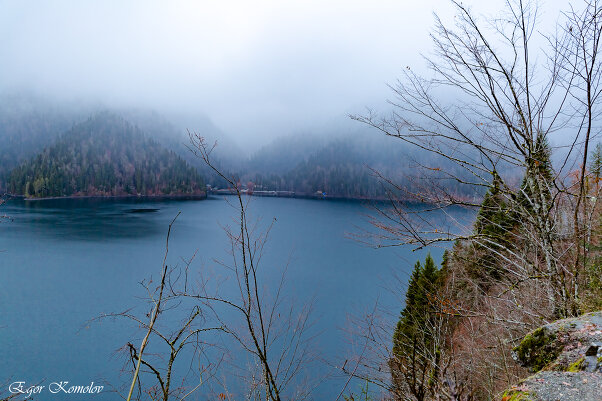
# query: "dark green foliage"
104,156
494,223
445,259
423,284
416,351
596,163
535,190
502,212
494,219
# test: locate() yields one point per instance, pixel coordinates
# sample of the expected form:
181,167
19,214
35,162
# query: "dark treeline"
335,169
346,167
104,156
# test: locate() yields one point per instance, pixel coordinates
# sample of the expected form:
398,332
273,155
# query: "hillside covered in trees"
104,156
348,166
335,168
28,124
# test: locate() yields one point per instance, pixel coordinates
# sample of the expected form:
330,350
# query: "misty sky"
256,68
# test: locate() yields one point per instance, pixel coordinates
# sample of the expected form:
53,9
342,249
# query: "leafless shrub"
274,333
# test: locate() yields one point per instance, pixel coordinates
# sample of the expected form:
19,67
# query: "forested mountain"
347,167
28,124
171,131
337,169
105,156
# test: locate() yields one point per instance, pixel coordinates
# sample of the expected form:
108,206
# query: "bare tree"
579,54
505,108
188,309
274,334
184,324
491,108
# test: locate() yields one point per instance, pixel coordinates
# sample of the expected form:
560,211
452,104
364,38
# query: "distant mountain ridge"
105,156
348,166
37,161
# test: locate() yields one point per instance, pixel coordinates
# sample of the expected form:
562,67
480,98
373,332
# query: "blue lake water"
64,262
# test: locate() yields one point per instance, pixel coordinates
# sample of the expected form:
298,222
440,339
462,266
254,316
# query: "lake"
64,262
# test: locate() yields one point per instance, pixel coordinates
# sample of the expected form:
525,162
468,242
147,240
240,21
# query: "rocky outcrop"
566,357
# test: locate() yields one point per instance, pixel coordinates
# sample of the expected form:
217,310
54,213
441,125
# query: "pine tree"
415,349
535,190
596,163
495,220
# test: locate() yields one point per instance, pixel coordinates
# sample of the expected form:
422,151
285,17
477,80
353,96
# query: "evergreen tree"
495,220
535,190
596,163
502,212
415,347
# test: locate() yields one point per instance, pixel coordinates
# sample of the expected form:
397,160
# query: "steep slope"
29,123
104,156
171,131
348,166
336,169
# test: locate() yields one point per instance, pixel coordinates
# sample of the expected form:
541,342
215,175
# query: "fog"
256,69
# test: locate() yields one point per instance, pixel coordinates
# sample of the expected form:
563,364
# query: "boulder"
566,357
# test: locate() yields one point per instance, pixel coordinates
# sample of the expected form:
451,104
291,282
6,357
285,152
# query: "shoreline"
206,195
195,197
116,197
301,196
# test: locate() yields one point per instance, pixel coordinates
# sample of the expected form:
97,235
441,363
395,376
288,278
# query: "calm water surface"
64,262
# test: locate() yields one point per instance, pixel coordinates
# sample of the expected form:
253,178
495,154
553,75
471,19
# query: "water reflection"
87,219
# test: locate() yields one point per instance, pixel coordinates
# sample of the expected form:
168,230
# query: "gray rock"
559,386
567,358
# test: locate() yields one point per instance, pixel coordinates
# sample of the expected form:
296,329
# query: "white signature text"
61,387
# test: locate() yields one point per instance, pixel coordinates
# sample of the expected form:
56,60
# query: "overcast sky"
256,68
